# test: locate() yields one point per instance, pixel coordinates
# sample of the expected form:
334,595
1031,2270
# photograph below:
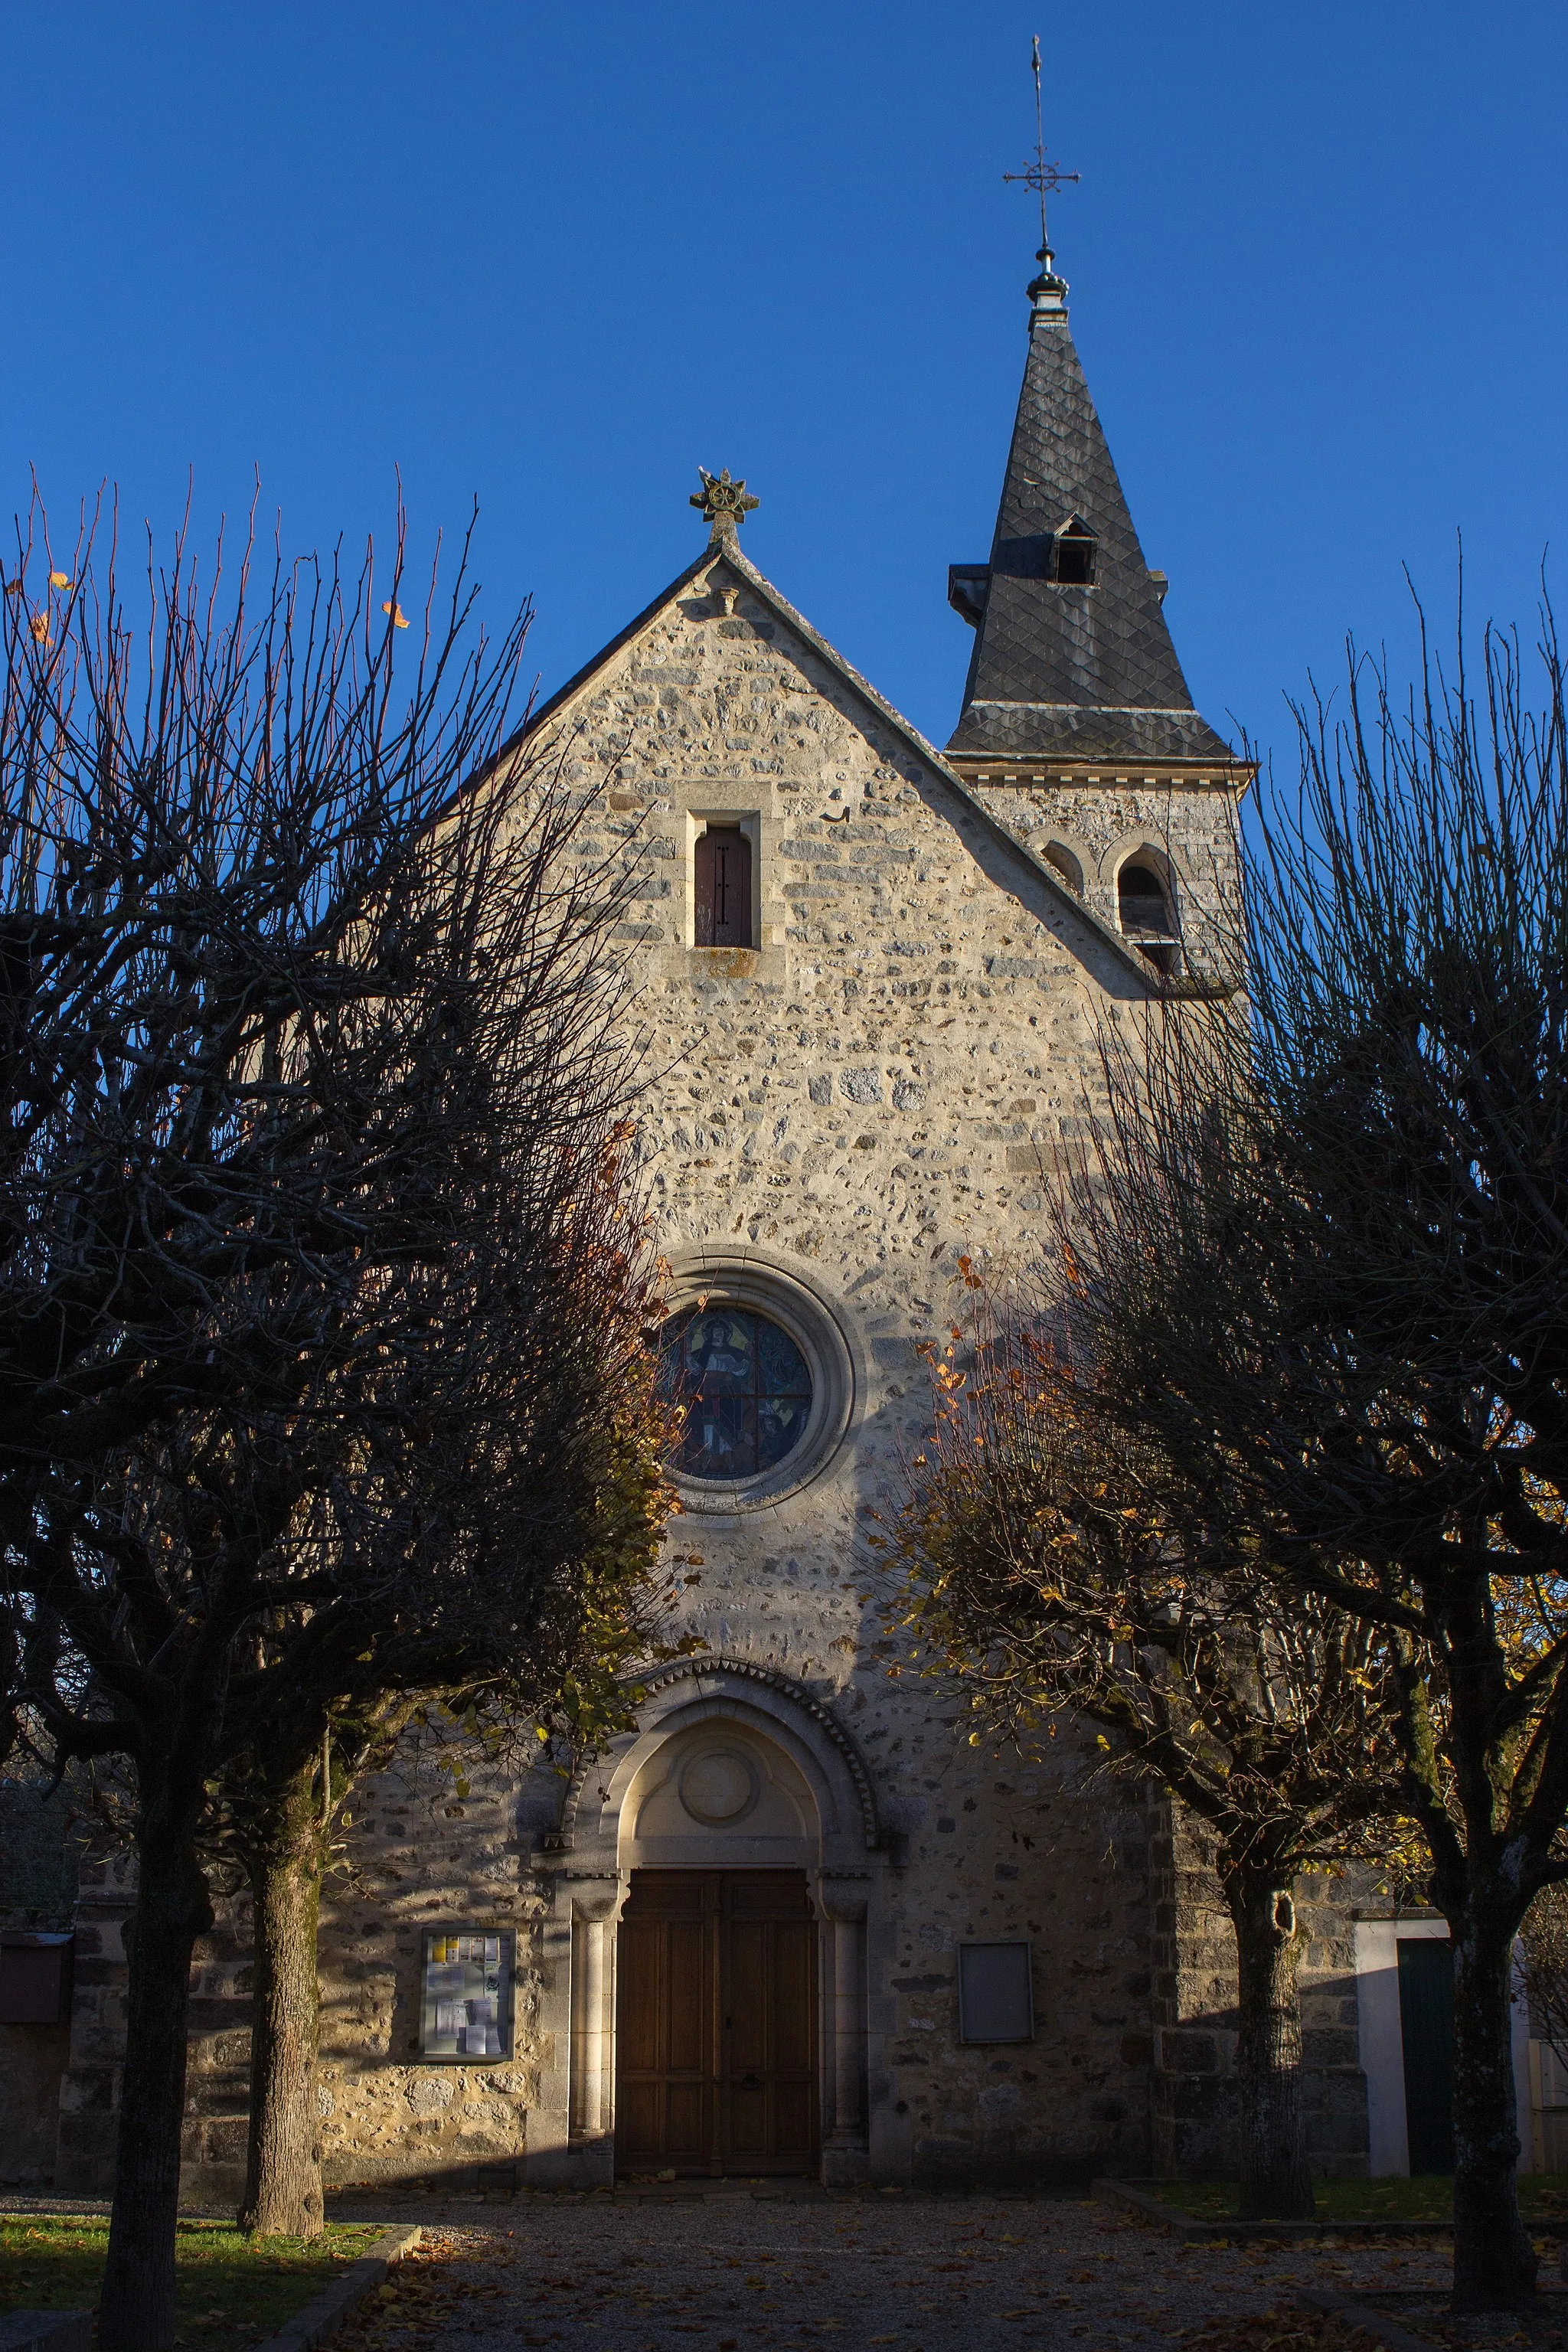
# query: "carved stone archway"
824,1820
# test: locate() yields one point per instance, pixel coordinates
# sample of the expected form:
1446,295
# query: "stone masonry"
835,1117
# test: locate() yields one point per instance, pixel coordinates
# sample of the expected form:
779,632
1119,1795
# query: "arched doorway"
716,1968
718,1863
716,2024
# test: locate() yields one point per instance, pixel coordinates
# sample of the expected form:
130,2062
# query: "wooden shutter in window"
723,880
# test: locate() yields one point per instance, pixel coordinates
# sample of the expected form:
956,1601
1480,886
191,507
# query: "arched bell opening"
1147,915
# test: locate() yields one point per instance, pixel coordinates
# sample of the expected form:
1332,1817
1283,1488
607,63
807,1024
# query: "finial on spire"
1047,291
725,503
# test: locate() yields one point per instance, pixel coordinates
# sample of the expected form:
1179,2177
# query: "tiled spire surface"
1064,671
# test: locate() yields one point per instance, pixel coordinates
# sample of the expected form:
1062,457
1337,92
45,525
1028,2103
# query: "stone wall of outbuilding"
41,1846
1193,2106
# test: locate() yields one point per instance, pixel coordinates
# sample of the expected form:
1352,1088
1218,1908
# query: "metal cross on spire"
1043,177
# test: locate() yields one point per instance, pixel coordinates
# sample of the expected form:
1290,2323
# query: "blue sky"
554,257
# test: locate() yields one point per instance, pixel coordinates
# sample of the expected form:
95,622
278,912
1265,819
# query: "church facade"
795,1922
875,972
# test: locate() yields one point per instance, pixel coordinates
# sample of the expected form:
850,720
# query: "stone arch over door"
732,1766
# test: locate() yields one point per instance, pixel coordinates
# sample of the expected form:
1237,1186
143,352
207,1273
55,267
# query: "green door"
1426,2032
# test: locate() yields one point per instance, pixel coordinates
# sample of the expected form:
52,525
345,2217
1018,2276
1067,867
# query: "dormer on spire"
725,503
1073,660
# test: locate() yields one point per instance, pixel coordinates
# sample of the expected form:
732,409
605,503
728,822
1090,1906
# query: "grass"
1542,2196
231,2291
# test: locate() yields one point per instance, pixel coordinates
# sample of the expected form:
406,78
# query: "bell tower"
1073,676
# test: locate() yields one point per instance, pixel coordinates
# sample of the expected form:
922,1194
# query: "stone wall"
1077,2099
417,1857
41,1844
410,1857
1018,1855
90,2088
217,2083
865,1097
1194,2101
1189,829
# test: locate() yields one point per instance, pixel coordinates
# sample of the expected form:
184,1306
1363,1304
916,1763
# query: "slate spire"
1073,661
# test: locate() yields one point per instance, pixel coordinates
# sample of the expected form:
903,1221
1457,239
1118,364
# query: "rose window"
743,1387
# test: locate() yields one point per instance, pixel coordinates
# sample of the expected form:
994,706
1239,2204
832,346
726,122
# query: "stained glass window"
744,1386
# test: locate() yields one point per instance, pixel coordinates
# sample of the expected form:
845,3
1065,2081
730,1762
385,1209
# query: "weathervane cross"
1043,177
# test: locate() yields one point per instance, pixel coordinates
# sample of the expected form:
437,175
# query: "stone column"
547,2161
845,2158
595,1906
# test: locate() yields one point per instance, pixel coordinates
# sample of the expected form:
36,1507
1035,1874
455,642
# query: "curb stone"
321,2318
697,2192
1194,2231
46,2331
1357,2315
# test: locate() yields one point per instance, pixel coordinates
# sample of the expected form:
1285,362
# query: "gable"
656,664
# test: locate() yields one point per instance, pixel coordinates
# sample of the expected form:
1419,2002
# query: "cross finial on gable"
725,503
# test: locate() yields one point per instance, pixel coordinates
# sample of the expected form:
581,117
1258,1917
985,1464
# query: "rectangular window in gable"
722,888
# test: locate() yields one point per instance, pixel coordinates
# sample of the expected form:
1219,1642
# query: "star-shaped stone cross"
725,503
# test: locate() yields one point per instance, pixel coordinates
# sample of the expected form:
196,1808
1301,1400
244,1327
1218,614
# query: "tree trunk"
1494,2262
1276,2183
286,1855
136,2312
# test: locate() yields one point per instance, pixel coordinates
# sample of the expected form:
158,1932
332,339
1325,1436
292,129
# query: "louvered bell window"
1146,917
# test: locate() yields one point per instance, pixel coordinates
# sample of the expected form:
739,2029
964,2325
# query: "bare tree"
1326,1248
1059,1568
489,1522
305,990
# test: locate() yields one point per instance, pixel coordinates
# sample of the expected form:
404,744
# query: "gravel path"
739,2275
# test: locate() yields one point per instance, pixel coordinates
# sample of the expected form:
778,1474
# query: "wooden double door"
716,2023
